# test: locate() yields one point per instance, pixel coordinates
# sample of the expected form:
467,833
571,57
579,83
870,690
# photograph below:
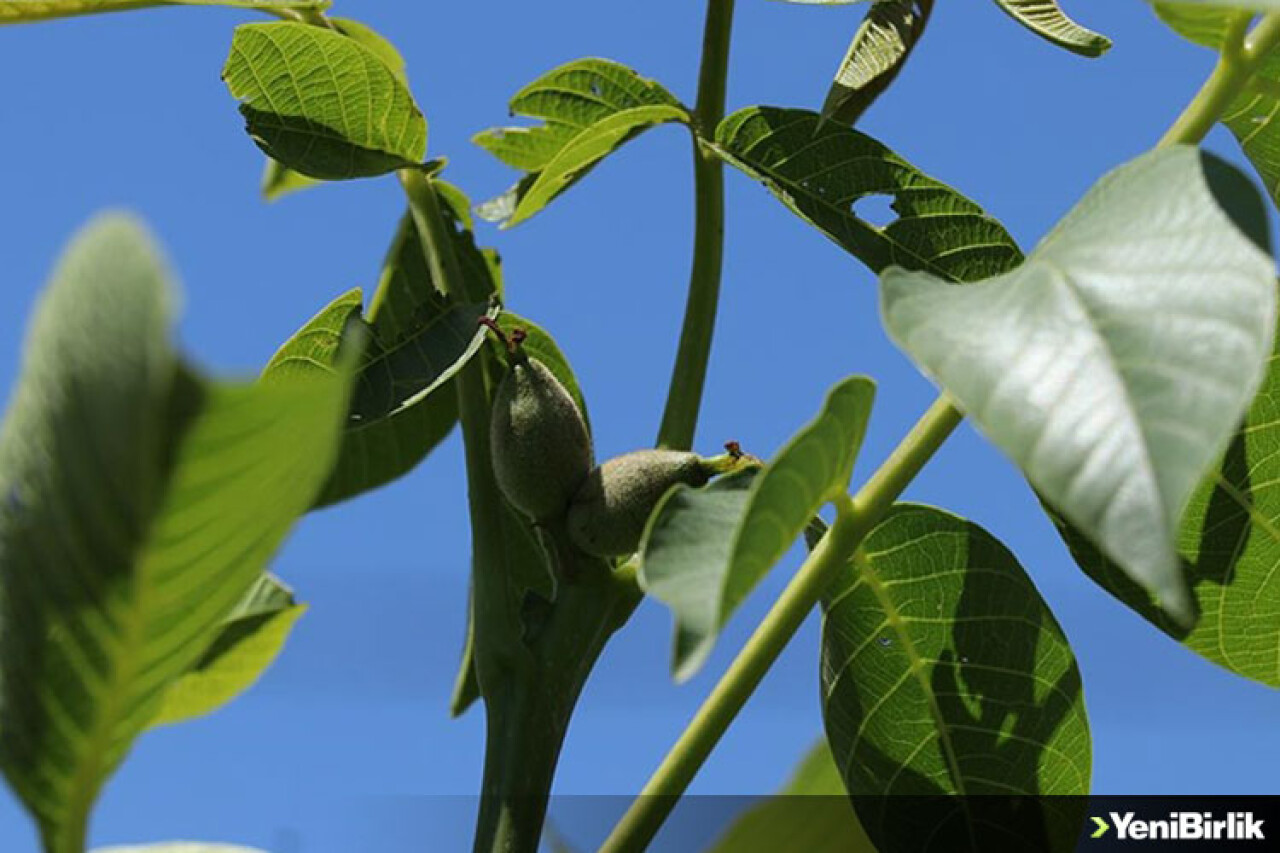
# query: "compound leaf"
589,108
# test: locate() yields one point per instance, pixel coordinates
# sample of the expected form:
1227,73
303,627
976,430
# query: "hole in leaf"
596,88
876,210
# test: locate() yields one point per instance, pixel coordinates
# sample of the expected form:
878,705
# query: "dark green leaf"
1046,19
134,518
590,108
405,310
822,170
323,104
878,52
811,814
706,549
1115,364
1229,541
944,673
251,637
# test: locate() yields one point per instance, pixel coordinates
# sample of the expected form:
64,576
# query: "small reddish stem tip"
734,449
512,342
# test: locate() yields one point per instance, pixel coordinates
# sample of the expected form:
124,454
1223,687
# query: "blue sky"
347,744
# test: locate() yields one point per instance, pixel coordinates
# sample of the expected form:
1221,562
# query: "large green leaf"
321,103
706,549
944,673
1230,546
1115,364
251,637
1046,19
822,170
141,504
811,814
23,11
589,107
876,55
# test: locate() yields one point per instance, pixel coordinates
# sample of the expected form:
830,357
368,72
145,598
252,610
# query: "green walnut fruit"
608,514
540,444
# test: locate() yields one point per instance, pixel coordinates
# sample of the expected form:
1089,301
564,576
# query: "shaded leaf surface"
398,423
944,673
134,519
706,549
323,104
589,108
821,170
1115,364
876,55
1229,541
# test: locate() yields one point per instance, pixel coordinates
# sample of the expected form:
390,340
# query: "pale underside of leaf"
1115,364
1046,19
943,673
706,549
323,104
878,52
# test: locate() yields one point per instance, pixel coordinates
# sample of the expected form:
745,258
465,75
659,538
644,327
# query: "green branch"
854,520
1240,60
680,419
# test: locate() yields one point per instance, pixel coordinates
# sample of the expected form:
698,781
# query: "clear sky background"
347,744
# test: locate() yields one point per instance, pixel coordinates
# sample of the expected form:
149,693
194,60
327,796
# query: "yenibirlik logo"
1182,826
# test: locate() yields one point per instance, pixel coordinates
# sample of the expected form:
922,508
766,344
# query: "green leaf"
386,439
706,549
25,11
590,108
323,104
876,55
250,639
178,847
822,170
1200,22
134,520
811,814
279,180
1229,541
1115,364
944,673
1046,19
